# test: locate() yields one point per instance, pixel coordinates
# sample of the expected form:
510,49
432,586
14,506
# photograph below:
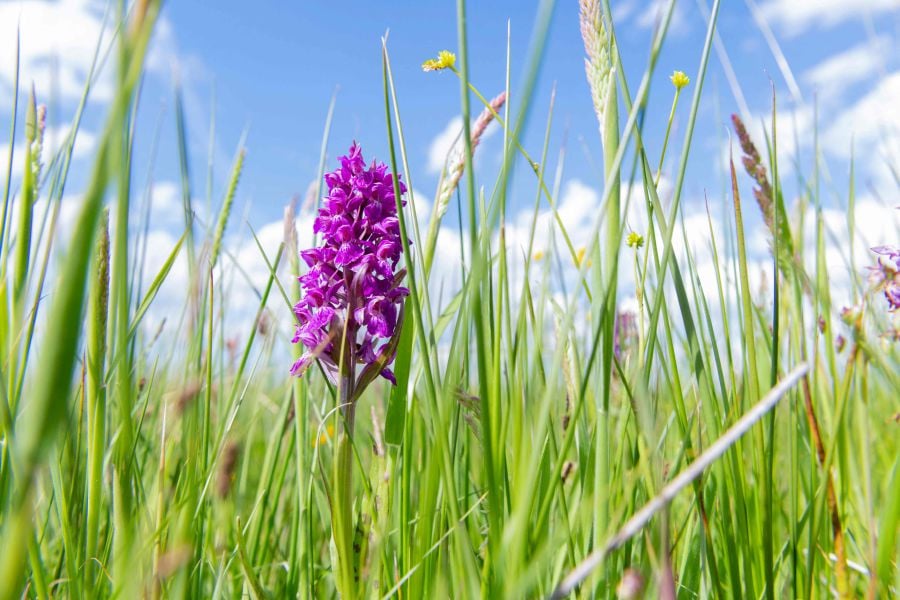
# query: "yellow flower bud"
634,240
679,79
323,438
579,256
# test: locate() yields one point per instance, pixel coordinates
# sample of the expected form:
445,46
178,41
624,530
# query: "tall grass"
729,445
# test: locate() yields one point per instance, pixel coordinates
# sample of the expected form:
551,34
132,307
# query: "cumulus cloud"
244,271
18,158
447,145
873,121
839,72
166,206
868,124
443,144
577,209
54,139
622,10
795,132
796,16
649,16
58,44
877,224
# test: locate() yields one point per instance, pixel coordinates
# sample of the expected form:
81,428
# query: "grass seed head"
597,63
458,160
186,396
755,169
227,468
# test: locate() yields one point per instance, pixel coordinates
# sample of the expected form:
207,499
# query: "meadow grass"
728,442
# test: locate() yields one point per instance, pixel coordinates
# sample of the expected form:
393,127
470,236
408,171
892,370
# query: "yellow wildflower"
538,256
444,60
679,79
324,436
634,240
579,256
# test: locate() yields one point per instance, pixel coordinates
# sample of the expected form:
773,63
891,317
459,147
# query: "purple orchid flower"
352,303
886,274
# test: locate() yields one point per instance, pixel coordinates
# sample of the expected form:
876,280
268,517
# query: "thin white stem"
682,480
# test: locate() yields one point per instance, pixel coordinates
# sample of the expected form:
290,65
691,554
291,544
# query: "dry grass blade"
668,493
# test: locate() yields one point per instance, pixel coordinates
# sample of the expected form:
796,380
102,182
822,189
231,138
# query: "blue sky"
273,68
270,68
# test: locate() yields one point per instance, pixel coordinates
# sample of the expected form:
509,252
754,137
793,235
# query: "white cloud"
796,16
446,147
423,208
651,16
877,224
795,133
577,210
160,244
837,74
868,122
443,144
622,10
242,270
166,207
18,157
58,43
54,139
871,122
446,270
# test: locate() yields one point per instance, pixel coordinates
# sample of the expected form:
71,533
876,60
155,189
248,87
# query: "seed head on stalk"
597,62
458,160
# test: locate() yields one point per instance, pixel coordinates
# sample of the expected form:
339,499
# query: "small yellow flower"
324,436
634,240
579,256
679,79
445,60
538,256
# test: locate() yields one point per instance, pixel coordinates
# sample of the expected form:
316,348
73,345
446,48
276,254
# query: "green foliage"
522,437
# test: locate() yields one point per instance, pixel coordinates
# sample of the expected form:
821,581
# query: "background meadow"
607,272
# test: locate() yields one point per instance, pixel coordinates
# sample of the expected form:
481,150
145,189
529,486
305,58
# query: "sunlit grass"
537,442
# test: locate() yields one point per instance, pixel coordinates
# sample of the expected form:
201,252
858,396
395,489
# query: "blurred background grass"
552,378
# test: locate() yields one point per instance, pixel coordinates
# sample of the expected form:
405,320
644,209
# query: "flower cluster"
444,60
679,79
634,240
886,274
352,298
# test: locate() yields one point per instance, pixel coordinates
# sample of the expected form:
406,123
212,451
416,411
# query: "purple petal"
389,375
